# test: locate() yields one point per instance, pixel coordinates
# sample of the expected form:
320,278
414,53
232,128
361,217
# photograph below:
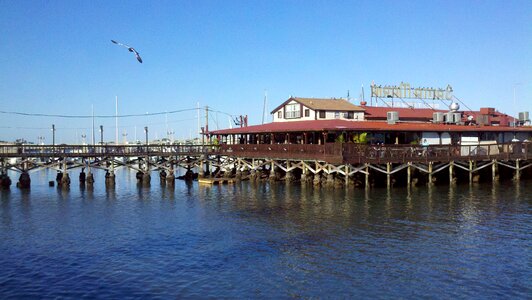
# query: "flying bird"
131,49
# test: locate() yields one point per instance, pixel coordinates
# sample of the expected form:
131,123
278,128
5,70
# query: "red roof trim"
338,125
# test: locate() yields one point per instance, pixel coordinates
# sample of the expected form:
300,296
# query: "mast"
264,105
199,126
166,125
116,120
206,122
92,108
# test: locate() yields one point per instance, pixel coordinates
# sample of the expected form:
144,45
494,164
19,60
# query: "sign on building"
405,91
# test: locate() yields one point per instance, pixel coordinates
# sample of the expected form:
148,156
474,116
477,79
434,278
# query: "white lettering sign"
405,91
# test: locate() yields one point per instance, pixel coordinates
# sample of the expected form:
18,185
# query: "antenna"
264,105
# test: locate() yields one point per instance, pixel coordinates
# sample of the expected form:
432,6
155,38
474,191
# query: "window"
322,114
307,112
337,115
349,115
293,111
280,114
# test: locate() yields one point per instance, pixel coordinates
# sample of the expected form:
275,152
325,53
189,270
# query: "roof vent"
524,116
437,117
454,107
392,117
457,117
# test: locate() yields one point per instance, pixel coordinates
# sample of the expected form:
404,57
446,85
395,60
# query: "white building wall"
314,115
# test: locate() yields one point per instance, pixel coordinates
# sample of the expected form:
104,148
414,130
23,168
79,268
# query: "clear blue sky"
56,57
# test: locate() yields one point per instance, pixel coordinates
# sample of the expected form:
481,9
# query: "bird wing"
138,57
120,44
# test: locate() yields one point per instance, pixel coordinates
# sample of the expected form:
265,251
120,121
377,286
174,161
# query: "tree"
361,138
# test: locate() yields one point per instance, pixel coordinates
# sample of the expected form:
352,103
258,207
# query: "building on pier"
332,138
320,121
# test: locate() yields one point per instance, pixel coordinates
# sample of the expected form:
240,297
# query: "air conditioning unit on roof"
437,117
392,117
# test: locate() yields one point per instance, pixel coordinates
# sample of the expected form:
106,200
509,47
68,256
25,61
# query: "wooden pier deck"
304,162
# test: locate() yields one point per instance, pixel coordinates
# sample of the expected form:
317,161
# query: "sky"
56,57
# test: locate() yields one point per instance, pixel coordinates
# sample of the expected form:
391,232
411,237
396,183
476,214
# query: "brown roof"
323,104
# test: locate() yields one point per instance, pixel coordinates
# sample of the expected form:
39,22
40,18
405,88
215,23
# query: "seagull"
131,49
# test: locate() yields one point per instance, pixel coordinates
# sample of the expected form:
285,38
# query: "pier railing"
357,153
23,151
332,153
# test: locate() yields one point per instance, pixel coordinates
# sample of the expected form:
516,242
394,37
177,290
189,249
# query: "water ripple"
264,241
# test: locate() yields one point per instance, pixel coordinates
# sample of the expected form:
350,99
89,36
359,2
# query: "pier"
332,164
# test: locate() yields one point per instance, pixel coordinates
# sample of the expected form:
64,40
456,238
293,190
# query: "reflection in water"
251,240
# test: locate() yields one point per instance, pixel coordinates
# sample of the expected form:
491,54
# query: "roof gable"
323,104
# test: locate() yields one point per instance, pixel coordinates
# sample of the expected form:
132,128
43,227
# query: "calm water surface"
260,240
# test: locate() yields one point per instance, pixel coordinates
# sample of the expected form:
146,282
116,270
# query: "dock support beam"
89,178
110,175
200,171
289,177
304,176
494,175
24,180
409,174
65,180
146,177
272,171
517,170
367,177
451,172
388,174
170,178
430,174
470,171
346,175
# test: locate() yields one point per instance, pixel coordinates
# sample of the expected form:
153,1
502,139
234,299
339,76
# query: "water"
256,240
